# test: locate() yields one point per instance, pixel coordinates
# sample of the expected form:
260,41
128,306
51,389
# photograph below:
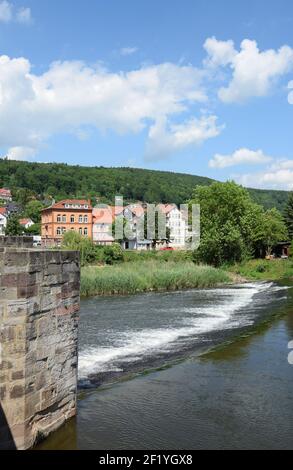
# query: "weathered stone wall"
16,242
39,307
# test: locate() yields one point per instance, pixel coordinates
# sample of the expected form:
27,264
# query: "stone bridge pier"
39,304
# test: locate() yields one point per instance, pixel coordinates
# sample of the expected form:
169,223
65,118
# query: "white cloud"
165,139
5,12
24,15
220,53
277,176
20,153
9,13
253,71
242,156
290,96
71,96
128,50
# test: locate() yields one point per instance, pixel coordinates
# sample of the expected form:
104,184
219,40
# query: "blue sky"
195,86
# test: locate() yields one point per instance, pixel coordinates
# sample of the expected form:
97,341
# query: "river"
148,378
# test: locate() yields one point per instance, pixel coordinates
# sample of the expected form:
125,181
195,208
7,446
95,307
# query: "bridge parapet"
39,306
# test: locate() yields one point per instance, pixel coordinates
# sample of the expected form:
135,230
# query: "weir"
39,305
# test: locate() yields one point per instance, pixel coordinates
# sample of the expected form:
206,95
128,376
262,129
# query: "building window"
64,219
85,219
59,218
72,219
58,232
63,230
85,232
80,219
80,231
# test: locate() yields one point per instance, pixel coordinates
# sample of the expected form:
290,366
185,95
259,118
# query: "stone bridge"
39,304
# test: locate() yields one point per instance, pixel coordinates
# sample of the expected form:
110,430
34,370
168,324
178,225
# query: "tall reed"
131,278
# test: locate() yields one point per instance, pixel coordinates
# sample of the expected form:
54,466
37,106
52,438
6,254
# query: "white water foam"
134,345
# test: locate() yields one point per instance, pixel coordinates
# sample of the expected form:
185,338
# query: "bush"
113,254
261,268
74,241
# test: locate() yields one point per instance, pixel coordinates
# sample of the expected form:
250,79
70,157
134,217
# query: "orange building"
71,214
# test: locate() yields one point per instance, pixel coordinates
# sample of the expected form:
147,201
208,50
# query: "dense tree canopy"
13,226
233,227
288,214
61,181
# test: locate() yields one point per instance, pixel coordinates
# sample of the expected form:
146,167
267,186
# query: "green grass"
263,270
147,276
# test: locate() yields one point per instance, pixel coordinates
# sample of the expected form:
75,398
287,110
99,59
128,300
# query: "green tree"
33,230
288,215
113,254
23,196
74,241
13,226
231,223
274,229
33,210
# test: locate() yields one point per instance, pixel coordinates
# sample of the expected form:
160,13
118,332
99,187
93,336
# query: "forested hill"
61,181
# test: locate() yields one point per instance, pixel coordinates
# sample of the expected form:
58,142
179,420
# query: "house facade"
26,223
5,194
103,219
3,220
75,214
177,224
134,240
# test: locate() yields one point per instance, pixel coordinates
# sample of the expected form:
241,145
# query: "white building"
5,194
3,220
177,223
102,226
26,223
134,215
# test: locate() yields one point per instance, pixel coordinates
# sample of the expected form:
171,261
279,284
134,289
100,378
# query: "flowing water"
146,383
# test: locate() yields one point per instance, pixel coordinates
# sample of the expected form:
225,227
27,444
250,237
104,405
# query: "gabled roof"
137,210
5,192
117,210
3,211
166,208
103,215
25,221
77,202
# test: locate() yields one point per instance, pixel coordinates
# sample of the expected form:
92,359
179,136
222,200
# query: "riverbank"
161,275
148,276
263,270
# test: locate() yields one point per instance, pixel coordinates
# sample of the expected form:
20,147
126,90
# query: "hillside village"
94,220
95,223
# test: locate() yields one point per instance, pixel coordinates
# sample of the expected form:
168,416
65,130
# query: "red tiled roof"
166,208
136,209
3,211
103,215
25,221
61,204
5,192
116,210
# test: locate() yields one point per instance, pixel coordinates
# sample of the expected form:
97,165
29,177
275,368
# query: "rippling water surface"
173,397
